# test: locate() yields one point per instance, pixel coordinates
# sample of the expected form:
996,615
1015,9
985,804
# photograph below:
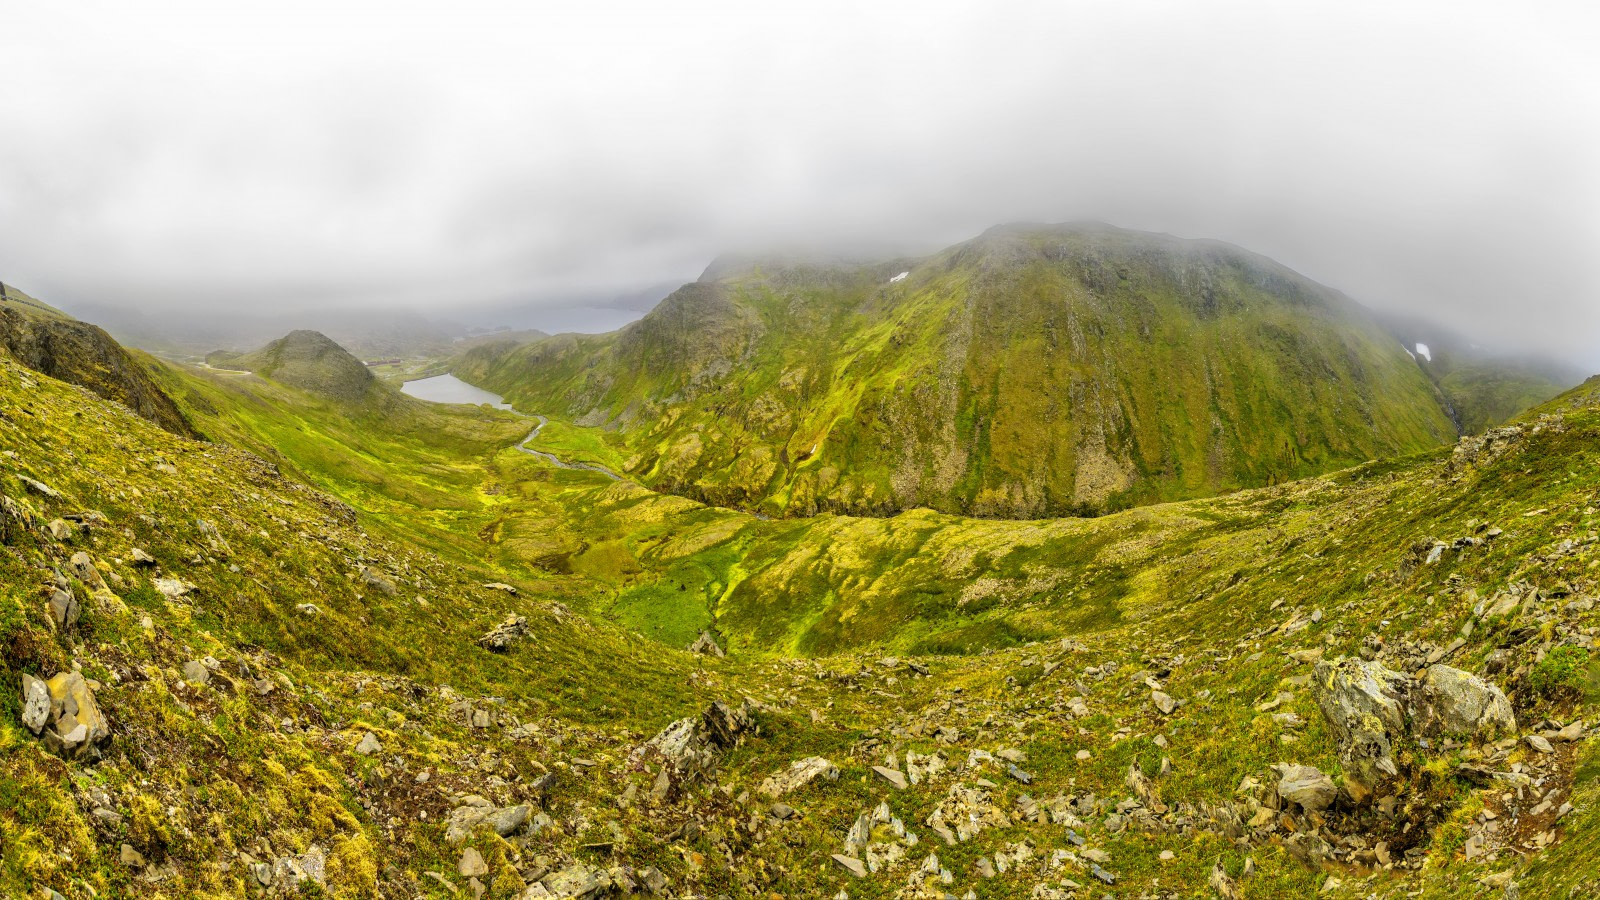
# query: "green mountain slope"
53,343
1481,388
1034,371
1091,706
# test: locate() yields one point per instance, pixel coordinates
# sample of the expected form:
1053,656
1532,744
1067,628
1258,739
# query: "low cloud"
1430,158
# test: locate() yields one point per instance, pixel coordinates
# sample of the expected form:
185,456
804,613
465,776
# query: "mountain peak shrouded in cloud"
1428,159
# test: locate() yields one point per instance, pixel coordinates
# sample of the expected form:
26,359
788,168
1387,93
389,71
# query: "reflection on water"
450,389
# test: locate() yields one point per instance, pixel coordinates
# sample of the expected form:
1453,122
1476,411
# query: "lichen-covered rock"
76,724
35,703
800,773
505,634
1364,703
706,644
1306,786
1451,701
477,812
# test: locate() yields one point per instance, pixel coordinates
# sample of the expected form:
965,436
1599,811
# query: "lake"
450,389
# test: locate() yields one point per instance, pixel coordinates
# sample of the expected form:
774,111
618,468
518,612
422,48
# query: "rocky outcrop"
1363,703
61,347
475,812
800,773
1368,707
64,712
502,636
1452,702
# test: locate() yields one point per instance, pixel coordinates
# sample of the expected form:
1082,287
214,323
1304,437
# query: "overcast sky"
1439,157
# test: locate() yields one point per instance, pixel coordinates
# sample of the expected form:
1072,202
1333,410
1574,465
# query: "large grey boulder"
1364,704
1450,701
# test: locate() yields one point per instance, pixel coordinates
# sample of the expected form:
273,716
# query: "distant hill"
1032,371
307,360
53,343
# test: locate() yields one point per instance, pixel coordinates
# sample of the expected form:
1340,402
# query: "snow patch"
899,278
1422,351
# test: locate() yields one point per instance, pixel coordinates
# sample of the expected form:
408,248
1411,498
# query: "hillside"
53,343
1481,388
1031,372
307,360
296,694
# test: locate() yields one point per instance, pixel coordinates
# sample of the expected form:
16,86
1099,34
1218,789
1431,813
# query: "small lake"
450,389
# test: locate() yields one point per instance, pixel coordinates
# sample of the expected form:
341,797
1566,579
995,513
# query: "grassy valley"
360,645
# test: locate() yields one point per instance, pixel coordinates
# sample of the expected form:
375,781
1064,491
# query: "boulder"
505,634
800,773
476,812
35,703
1306,786
369,745
75,722
64,608
1364,705
1450,701
707,645
576,880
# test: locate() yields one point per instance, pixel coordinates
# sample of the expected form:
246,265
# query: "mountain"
224,677
1033,371
1482,388
53,343
184,334
307,360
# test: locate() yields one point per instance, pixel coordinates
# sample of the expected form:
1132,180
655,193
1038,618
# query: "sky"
473,158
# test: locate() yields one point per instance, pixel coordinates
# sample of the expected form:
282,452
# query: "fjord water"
450,389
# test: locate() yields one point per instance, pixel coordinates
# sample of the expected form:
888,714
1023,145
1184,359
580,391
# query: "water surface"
450,389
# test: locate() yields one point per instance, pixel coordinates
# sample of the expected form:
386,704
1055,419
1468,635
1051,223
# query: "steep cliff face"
55,344
1033,371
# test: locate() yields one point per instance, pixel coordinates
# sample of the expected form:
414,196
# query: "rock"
501,586
76,724
35,703
475,811
40,488
850,864
800,773
1362,702
141,558
576,880
375,580
707,645
131,858
64,608
59,530
505,634
725,726
172,588
1163,702
196,673
1540,744
893,776
84,570
307,609
369,745
472,864
1306,786
1019,775
1452,702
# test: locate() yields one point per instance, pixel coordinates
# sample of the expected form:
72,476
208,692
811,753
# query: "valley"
363,644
